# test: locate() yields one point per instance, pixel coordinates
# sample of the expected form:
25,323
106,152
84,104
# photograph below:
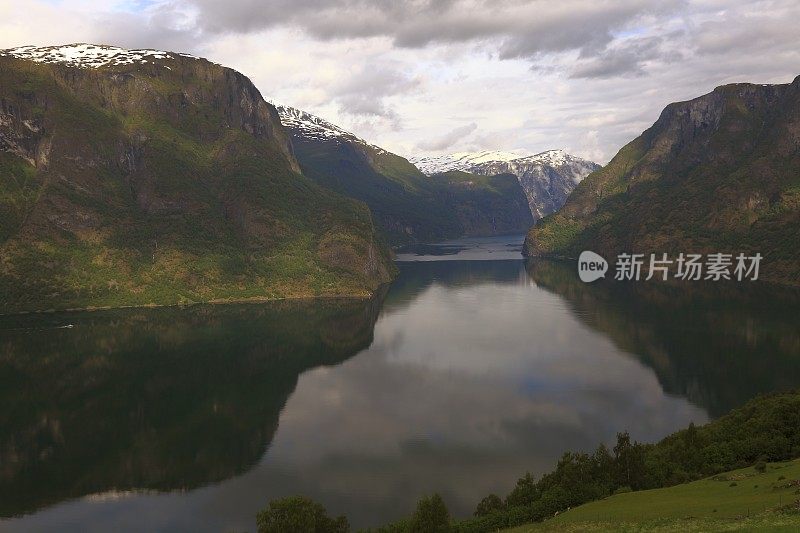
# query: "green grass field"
735,501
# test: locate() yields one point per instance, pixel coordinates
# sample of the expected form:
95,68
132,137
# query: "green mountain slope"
160,180
484,205
720,173
745,461
406,204
741,499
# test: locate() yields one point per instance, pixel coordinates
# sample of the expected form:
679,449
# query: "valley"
219,313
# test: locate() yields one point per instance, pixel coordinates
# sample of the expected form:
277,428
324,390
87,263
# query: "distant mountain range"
408,205
547,178
719,173
464,194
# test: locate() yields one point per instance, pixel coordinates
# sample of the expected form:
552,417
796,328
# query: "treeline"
765,429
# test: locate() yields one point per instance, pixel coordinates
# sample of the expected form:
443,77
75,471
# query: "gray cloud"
365,92
585,75
131,30
523,28
760,31
626,59
448,139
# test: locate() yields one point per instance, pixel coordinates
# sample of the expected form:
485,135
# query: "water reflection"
474,377
718,344
158,399
503,247
474,373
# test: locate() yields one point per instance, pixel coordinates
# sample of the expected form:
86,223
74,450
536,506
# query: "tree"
524,493
630,462
431,516
603,465
297,514
489,505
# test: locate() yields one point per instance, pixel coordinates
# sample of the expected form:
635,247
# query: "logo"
591,266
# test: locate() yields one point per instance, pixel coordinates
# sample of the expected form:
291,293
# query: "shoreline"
218,301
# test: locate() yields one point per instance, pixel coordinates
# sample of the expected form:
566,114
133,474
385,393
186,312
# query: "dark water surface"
459,379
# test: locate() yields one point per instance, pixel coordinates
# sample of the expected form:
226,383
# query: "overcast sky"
427,76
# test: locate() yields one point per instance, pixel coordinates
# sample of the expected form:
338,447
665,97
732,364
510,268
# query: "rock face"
133,177
547,178
715,174
408,205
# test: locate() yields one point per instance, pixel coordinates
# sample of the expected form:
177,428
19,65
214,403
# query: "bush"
297,514
481,524
623,490
431,516
761,467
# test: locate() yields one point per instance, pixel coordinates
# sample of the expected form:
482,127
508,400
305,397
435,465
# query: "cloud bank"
449,75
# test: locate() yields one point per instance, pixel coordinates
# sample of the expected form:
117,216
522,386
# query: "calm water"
459,379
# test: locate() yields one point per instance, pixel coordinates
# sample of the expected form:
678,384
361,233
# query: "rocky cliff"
547,178
132,177
720,173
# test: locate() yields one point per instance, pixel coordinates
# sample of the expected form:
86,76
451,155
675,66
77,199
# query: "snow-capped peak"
554,158
460,160
85,55
547,178
310,126
468,161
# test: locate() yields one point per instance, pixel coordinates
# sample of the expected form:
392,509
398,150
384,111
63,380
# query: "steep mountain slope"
547,178
409,206
132,177
483,205
720,173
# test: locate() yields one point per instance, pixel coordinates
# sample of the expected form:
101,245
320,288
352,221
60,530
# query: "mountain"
135,177
720,173
462,161
408,205
547,178
482,205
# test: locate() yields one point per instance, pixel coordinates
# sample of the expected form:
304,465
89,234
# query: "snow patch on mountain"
553,158
308,126
462,161
467,161
547,177
83,55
